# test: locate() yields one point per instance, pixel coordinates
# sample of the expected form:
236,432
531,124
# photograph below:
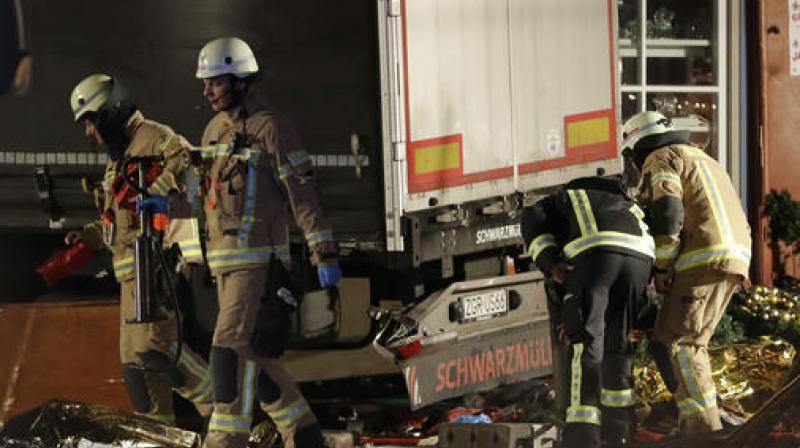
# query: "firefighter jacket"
119,226
694,212
579,221
257,171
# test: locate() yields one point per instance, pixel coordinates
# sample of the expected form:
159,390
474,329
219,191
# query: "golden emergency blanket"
745,375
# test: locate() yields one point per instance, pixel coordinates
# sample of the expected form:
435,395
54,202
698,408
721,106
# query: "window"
675,64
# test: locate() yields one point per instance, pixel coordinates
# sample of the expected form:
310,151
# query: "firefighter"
257,171
702,254
147,351
590,238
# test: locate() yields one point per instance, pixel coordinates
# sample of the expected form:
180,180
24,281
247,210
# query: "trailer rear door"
498,96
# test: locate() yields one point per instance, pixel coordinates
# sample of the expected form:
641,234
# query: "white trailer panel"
504,95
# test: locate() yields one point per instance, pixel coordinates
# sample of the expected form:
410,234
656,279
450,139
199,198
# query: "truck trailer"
430,123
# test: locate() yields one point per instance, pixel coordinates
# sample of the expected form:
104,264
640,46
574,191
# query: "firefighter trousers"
240,376
147,353
692,309
601,402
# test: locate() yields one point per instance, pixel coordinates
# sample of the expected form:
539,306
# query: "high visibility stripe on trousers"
203,390
698,400
238,424
577,412
592,237
290,414
622,398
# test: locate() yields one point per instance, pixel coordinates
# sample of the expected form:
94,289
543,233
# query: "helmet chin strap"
631,174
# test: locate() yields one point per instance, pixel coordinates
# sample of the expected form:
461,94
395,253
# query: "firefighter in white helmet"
258,172
702,255
110,120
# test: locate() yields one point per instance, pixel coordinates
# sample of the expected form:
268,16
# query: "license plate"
484,305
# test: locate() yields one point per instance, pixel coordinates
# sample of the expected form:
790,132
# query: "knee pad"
224,366
268,390
309,436
159,364
136,386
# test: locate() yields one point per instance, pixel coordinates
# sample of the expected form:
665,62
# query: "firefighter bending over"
111,121
592,239
702,255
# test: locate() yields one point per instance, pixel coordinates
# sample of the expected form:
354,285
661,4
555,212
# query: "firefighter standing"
257,171
111,121
702,254
591,239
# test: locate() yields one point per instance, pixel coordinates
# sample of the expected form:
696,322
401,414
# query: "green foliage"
642,355
756,326
784,217
729,331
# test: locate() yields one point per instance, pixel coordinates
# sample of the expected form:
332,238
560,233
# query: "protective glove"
329,276
153,204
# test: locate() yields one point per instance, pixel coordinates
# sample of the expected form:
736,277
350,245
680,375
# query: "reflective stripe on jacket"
576,221
253,181
710,230
119,226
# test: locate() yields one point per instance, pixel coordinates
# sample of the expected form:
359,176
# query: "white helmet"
226,55
643,124
90,94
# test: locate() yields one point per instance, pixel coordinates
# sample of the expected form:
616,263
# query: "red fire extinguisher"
63,263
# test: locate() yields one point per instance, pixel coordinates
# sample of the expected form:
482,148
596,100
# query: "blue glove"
473,419
153,204
329,276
